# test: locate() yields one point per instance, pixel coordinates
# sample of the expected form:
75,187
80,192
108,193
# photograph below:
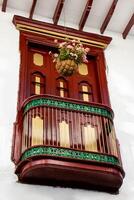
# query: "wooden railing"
54,122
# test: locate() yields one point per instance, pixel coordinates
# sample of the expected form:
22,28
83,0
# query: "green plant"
72,50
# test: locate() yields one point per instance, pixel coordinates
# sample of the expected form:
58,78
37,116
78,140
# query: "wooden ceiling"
106,15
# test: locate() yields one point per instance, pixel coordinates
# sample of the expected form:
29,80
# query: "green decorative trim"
68,105
69,153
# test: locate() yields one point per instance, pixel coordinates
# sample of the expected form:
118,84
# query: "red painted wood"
4,5
108,16
48,70
128,27
85,14
59,29
54,172
38,167
92,62
32,9
58,11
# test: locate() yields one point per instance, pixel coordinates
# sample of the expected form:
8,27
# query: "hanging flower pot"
66,67
71,54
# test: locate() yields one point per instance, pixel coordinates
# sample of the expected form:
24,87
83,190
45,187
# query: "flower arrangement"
71,54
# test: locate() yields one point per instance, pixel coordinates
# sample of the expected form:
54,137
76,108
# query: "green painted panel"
68,105
69,153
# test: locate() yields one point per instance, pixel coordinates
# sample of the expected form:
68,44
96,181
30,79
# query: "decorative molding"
59,32
67,105
69,153
60,36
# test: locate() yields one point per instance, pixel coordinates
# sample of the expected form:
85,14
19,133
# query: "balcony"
68,143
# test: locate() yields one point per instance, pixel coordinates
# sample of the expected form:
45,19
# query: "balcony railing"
49,125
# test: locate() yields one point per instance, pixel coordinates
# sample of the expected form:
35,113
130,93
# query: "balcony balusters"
52,126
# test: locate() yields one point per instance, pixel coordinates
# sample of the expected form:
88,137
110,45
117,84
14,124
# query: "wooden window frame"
34,83
89,92
60,88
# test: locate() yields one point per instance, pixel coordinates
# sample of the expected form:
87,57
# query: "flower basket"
71,54
66,67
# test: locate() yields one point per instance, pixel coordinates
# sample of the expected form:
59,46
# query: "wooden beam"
108,16
128,27
4,5
85,14
58,10
32,9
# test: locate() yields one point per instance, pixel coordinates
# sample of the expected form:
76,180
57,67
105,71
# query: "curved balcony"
67,142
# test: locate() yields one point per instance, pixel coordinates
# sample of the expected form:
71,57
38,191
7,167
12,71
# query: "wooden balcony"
68,143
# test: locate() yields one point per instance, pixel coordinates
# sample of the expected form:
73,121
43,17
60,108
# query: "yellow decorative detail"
37,85
37,131
24,134
83,69
85,97
61,93
37,79
84,88
61,84
90,138
61,90
64,134
37,59
60,35
112,139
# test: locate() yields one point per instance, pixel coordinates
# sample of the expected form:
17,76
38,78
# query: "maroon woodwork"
71,174
58,10
128,27
61,30
32,9
33,38
72,81
108,17
52,115
38,37
95,61
85,14
4,5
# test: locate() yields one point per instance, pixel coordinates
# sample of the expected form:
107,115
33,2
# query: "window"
85,92
37,83
62,87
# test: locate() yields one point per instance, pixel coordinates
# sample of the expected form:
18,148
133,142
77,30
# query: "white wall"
120,61
9,65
